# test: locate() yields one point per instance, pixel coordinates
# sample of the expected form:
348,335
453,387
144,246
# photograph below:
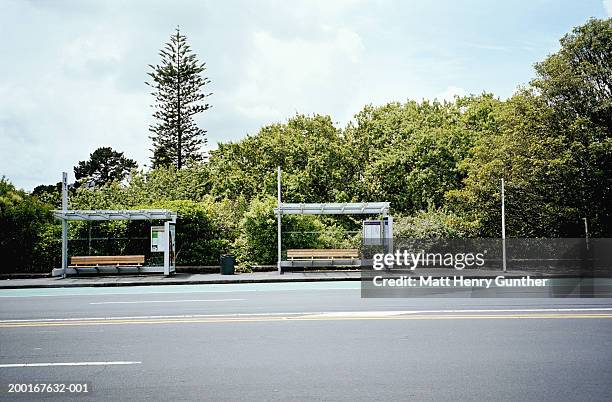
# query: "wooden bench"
322,254
117,261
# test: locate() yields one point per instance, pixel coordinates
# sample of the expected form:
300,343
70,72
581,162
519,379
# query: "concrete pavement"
177,279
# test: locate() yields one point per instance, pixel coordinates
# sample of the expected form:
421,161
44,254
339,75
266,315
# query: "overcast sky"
72,72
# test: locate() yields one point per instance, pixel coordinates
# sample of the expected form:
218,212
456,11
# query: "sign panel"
157,239
372,232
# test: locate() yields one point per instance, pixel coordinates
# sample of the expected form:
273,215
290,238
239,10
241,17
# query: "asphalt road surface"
301,341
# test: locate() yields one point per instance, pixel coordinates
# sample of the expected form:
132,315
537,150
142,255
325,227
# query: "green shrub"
257,242
430,224
48,248
204,229
22,220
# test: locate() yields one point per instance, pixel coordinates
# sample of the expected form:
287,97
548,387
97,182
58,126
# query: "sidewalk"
178,279
197,279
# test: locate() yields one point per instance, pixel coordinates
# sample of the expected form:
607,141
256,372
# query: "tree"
408,153
577,80
49,193
309,150
415,173
577,84
535,158
104,166
178,88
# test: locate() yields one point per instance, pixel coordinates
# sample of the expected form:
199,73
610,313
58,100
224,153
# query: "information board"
158,243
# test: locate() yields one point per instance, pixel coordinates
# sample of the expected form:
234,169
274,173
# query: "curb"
227,281
174,282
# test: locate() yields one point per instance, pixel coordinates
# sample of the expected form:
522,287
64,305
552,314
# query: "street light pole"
586,232
503,224
278,219
64,224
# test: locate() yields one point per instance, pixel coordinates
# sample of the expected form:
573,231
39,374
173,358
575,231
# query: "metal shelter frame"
345,208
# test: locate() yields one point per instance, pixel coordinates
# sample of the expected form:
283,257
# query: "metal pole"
278,218
503,224
64,224
586,232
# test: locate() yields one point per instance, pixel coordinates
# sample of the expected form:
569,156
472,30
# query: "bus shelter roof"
341,208
115,215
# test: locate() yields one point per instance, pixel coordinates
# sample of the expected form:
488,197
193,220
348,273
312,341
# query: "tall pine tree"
178,88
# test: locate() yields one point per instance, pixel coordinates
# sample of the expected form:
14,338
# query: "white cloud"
608,7
56,114
92,52
450,92
280,73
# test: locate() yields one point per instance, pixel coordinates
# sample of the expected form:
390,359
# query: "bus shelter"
163,239
379,230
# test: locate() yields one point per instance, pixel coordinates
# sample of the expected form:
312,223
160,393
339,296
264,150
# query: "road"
301,341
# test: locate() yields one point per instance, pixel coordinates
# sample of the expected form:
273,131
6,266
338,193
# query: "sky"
72,73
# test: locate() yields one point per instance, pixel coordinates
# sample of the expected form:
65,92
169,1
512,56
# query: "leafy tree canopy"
577,80
104,166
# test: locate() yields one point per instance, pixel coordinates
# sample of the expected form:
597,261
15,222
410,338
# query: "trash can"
227,264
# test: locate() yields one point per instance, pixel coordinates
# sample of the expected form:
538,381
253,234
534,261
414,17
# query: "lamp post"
278,218
503,224
64,224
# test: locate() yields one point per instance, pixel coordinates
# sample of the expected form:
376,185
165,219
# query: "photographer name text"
458,281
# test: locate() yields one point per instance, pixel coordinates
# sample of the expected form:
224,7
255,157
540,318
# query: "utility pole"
503,224
586,231
278,218
179,151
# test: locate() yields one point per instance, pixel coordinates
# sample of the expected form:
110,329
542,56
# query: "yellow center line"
301,318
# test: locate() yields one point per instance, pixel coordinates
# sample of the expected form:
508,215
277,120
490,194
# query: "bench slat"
322,253
107,260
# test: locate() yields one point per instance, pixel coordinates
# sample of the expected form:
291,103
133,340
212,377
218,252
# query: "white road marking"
166,301
120,293
412,312
68,364
357,314
312,313
166,293
149,317
513,310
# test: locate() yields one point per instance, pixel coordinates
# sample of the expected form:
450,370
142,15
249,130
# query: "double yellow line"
314,317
